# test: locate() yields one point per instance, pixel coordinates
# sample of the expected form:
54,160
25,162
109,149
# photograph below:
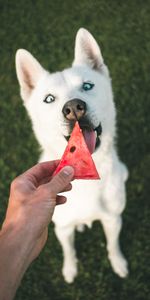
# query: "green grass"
47,29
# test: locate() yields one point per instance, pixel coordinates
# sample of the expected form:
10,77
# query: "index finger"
40,171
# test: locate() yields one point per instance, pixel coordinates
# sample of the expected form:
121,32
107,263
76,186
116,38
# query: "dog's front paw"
119,265
70,272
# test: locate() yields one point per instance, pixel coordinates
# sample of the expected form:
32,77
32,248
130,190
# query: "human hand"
33,196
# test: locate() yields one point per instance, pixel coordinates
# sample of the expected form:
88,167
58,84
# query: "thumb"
60,181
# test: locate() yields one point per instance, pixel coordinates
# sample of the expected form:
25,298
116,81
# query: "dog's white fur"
103,199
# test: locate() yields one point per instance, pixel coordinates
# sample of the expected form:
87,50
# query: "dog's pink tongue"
90,139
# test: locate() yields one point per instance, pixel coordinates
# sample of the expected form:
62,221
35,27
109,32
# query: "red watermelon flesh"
78,155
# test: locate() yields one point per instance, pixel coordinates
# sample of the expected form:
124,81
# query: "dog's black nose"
74,109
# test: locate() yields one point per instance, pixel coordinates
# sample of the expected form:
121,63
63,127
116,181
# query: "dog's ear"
87,50
28,72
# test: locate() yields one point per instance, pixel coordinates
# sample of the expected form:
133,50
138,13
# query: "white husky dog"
53,102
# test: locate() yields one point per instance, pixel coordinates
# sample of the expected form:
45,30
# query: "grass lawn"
47,29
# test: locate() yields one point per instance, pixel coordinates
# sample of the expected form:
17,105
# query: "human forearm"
15,249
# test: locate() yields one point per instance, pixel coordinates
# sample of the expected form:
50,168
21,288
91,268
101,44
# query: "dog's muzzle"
75,110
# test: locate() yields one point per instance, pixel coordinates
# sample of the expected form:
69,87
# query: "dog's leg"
66,237
112,226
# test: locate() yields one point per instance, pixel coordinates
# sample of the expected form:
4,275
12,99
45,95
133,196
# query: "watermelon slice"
78,156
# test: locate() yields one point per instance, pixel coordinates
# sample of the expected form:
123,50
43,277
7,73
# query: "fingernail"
68,170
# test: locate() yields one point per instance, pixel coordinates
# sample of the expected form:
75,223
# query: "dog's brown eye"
49,99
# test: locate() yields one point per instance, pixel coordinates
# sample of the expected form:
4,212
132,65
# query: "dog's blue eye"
87,86
49,99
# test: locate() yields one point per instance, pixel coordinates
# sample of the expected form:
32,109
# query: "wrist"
14,239
18,237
